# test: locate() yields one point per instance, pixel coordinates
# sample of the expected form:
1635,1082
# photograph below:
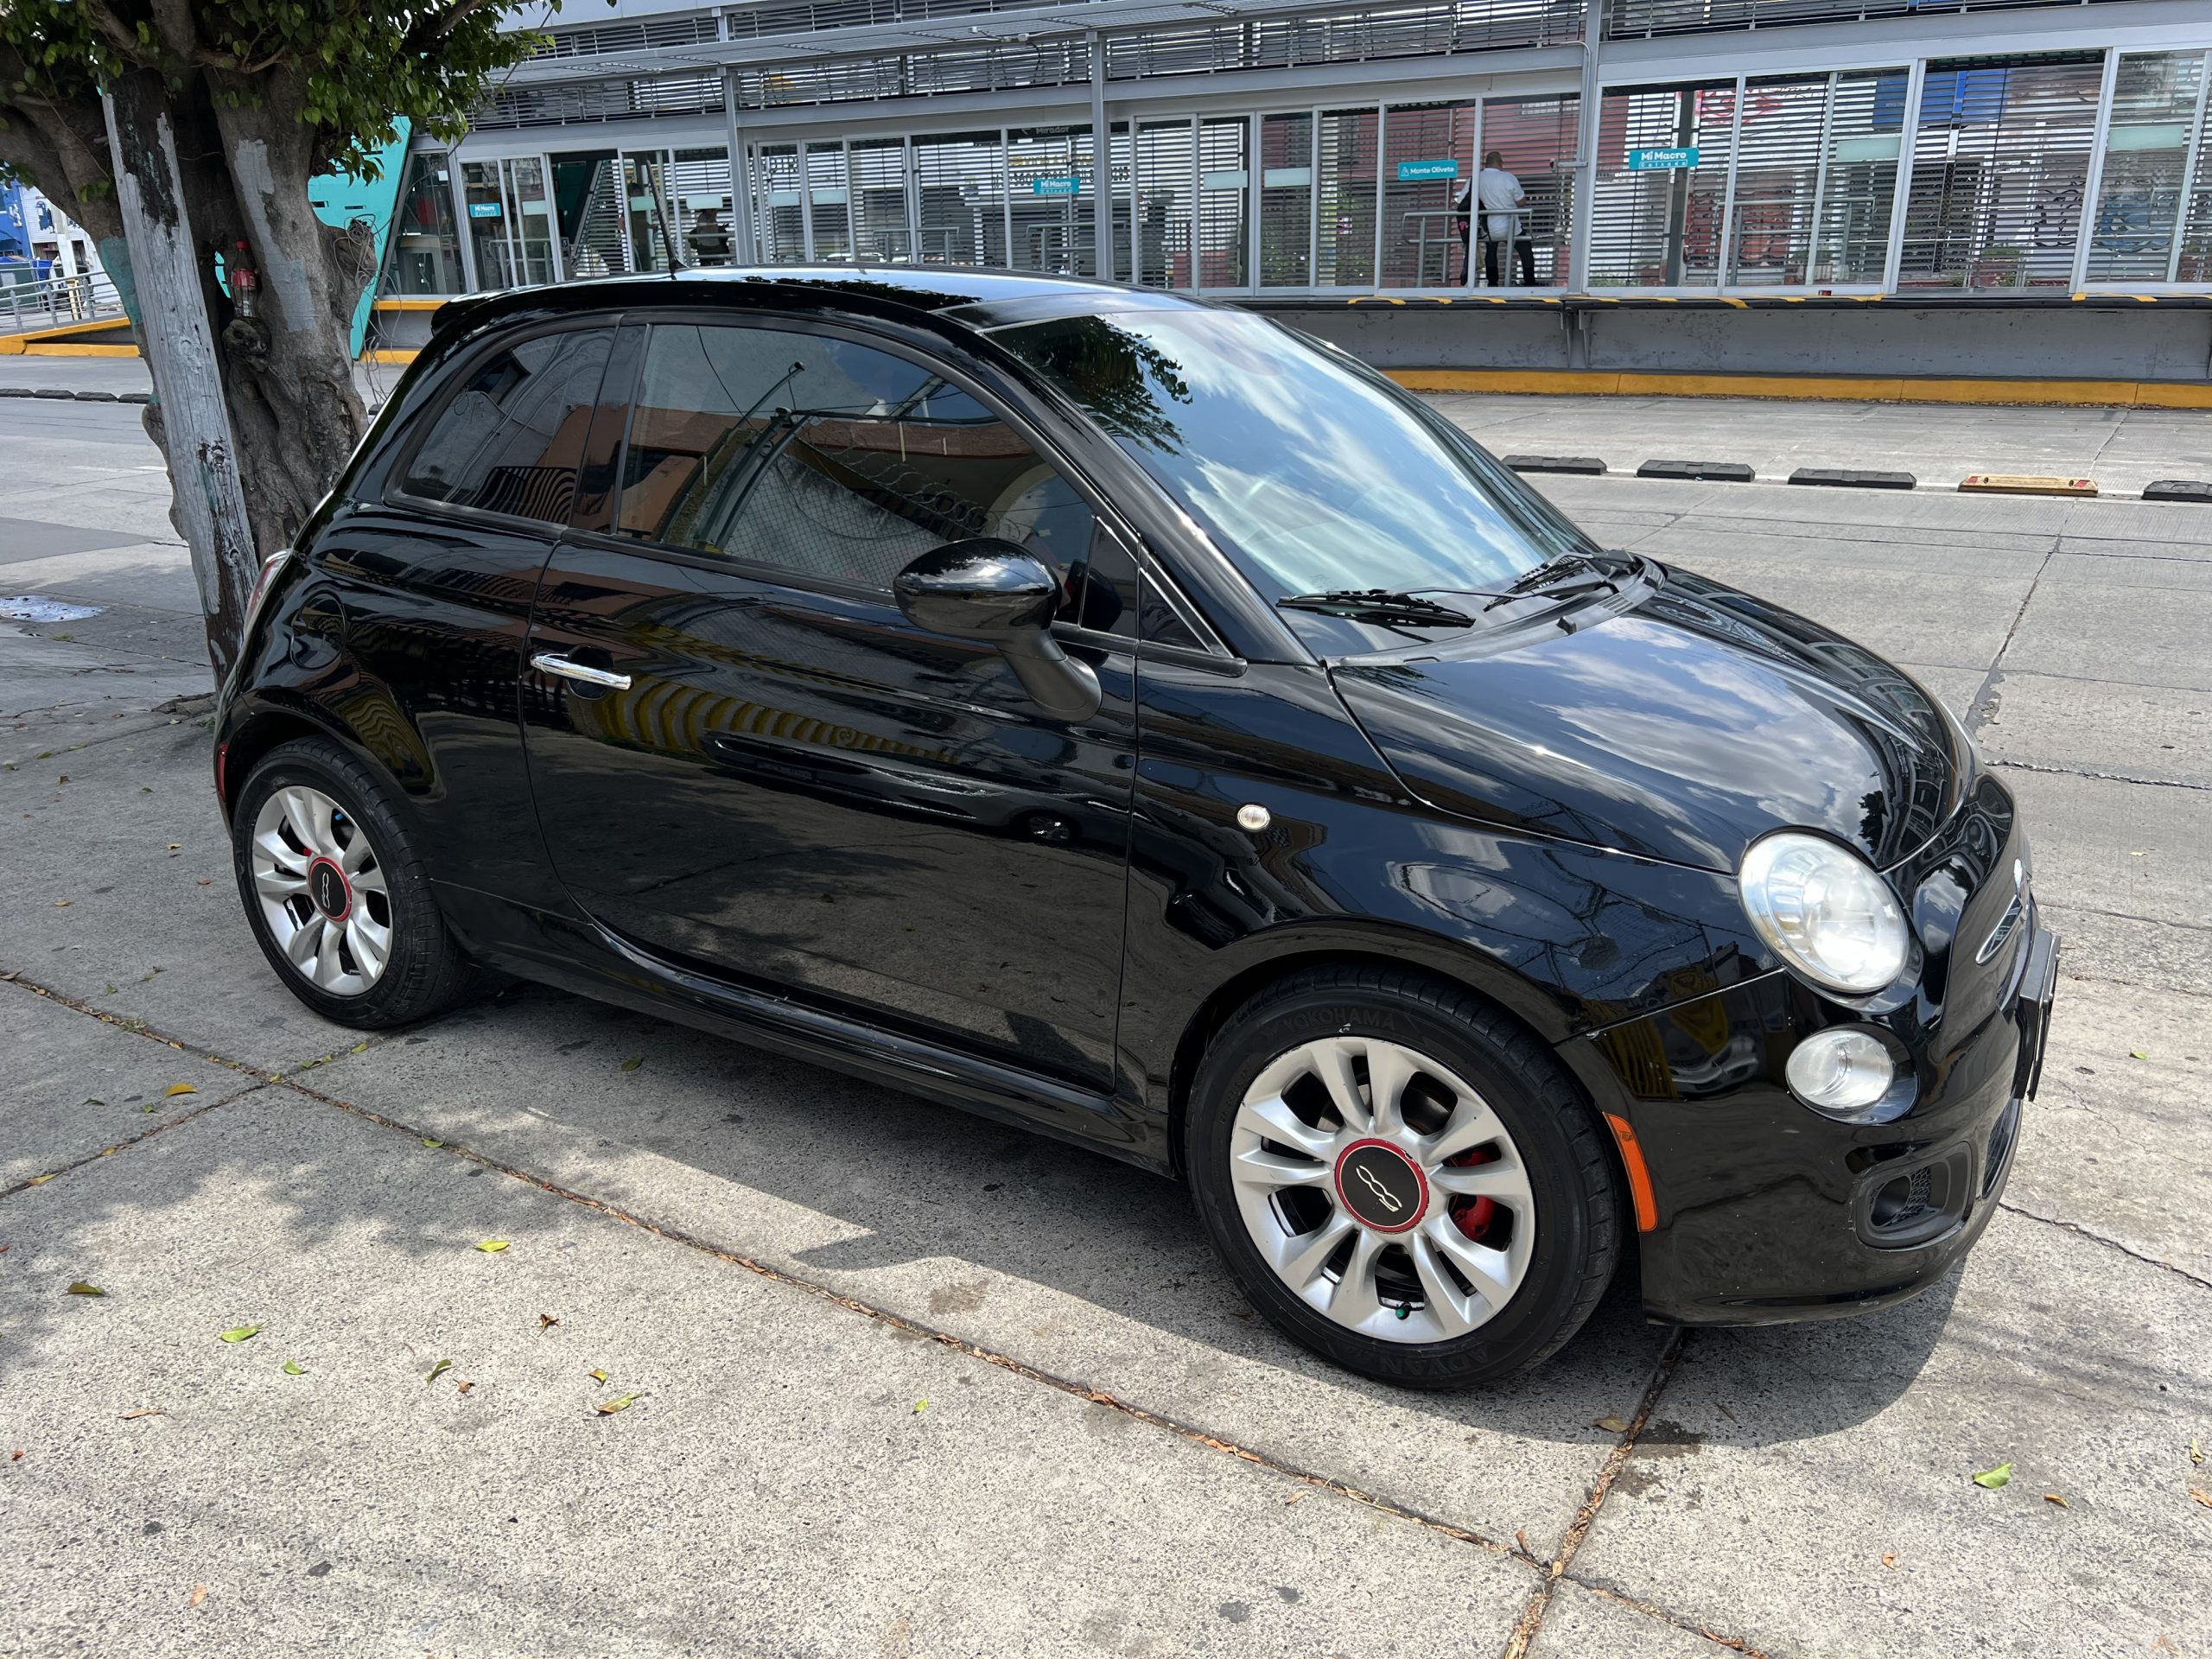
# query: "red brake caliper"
1473,1216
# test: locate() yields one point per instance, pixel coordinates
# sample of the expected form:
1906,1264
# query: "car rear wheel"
1402,1178
335,892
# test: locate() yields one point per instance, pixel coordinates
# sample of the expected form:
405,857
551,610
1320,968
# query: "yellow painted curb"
411,305
67,348
1889,388
389,354
2024,484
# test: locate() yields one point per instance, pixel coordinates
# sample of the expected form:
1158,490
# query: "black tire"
1578,1202
425,972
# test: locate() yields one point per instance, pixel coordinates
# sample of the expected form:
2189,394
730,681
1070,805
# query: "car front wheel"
1402,1178
335,892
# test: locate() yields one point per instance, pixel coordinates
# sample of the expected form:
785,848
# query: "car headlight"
1826,910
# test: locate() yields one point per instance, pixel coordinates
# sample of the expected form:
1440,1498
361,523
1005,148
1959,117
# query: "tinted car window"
1313,472
833,461
512,438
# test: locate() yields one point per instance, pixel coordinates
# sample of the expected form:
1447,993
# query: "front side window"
512,437
834,462
1314,474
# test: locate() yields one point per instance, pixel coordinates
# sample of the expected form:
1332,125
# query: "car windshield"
1316,474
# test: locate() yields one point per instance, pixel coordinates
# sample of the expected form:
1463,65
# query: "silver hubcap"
321,891
1383,1190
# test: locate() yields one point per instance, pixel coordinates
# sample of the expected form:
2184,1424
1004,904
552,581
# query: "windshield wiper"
1546,578
1381,605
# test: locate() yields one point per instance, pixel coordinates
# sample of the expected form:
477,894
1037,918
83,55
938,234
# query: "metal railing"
1635,19
56,301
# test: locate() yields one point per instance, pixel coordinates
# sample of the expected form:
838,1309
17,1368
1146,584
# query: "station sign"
1413,172
1057,184
1661,161
483,210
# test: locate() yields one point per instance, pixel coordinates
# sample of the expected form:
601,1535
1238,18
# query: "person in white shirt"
1504,219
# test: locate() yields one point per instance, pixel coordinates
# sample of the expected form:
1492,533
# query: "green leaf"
239,1333
437,1371
293,1368
1993,1479
632,1063
596,1376
175,1089
80,1289
429,1143
920,1406
492,1246
2137,1054
620,1402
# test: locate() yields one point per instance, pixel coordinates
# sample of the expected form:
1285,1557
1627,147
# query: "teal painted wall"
342,198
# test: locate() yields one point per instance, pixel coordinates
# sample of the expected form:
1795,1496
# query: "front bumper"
1764,1211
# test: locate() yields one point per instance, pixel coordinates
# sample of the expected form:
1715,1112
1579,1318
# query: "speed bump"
2027,483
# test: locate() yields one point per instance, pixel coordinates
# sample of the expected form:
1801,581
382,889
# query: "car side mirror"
1001,594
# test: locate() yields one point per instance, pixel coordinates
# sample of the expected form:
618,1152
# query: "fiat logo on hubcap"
1381,1187
327,887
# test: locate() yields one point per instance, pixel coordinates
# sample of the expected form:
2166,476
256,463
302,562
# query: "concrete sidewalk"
904,1383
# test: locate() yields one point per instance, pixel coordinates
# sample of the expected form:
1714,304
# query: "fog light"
1840,1070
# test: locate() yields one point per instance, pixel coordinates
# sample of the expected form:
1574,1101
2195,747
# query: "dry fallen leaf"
546,1322
2195,1453
80,1289
199,1594
63,904
179,1089
620,1402
175,845
1888,1558
1292,1499
437,1371
464,1385
1521,1538
39,1181
2205,1498
142,1411
2053,1497
1611,1425
596,1376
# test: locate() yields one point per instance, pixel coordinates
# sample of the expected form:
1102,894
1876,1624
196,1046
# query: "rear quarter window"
511,440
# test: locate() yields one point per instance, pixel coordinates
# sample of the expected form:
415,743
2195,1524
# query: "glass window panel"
832,460
782,225
1286,201
1536,140
1999,165
651,218
512,438
828,201
1859,190
1778,181
880,233
1167,172
1052,196
2155,106
423,255
1225,195
588,208
1659,227
1121,180
699,192
1350,141
960,199
1429,166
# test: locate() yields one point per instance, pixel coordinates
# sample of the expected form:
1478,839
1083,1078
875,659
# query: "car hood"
1682,728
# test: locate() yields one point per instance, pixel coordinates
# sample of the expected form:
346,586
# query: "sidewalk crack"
2148,1261
1532,1616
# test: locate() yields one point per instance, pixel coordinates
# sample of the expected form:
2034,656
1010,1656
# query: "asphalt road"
903,1382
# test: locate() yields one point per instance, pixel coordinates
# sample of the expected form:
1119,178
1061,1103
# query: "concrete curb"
2178,489
63,392
1588,466
1845,478
1717,472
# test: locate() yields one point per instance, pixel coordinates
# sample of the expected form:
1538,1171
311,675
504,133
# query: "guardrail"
57,301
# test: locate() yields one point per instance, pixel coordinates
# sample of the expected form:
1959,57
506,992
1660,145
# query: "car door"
433,574
745,758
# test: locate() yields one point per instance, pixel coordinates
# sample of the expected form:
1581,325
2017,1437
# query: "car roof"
968,295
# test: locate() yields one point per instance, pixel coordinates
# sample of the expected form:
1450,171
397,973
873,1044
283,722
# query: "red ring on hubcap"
1417,1209
315,888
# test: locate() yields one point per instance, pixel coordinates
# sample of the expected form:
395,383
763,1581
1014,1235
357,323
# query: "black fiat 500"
1122,716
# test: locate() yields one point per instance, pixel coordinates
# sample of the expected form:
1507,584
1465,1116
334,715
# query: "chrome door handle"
548,663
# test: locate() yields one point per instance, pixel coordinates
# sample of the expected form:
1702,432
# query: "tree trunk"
255,415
